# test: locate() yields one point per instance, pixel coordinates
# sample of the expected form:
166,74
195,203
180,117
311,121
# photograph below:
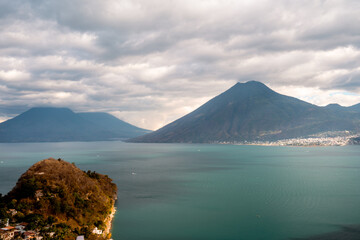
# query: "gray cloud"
150,62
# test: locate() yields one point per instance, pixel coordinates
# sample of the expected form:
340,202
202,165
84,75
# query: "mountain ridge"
50,124
113,124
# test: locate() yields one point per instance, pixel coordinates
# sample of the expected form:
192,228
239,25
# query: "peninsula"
54,199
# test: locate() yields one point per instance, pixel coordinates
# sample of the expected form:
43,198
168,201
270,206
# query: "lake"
208,192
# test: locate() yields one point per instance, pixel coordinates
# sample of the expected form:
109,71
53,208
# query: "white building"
97,231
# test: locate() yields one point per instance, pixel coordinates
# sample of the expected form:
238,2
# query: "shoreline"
108,222
339,141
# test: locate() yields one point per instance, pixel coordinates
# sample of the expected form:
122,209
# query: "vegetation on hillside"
56,196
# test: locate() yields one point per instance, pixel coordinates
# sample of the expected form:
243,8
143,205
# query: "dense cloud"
150,62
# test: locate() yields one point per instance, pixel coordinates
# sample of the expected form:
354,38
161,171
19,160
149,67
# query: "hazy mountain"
336,107
110,123
49,124
252,111
355,108
57,124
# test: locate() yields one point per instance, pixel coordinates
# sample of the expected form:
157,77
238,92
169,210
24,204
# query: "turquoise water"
222,192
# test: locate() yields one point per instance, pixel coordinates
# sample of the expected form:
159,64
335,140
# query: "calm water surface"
205,192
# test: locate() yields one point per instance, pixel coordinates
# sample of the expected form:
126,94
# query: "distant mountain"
55,125
336,107
112,124
251,111
355,108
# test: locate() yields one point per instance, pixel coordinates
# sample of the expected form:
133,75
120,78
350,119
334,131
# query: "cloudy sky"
149,62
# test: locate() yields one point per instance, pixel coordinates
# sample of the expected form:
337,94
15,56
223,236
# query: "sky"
150,62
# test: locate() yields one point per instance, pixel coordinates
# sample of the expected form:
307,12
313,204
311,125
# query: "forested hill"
56,196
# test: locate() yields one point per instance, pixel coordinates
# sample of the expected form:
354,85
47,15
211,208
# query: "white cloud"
320,97
150,62
3,119
14,75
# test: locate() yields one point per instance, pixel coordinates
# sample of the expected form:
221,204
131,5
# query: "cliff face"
57,194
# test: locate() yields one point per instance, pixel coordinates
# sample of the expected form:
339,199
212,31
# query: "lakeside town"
17,231
325,139
21,231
